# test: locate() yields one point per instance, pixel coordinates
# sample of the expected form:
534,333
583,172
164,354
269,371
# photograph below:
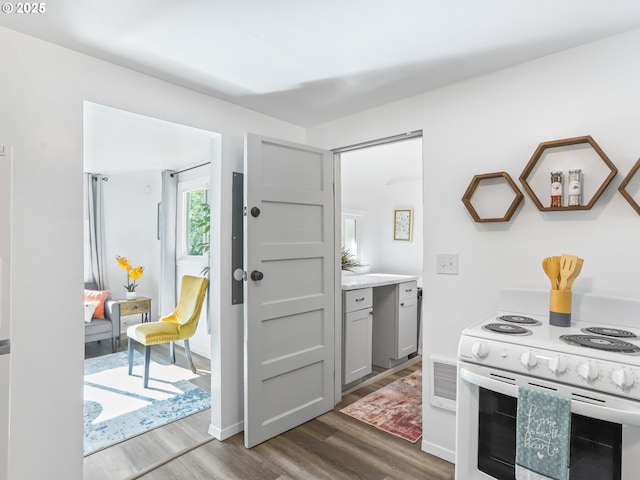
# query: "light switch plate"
447,263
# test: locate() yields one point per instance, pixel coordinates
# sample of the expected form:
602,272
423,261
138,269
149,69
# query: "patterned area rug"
117,407
396,408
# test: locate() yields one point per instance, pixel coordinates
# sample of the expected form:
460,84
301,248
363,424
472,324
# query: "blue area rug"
117,407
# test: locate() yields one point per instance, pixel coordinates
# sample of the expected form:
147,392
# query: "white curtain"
168,290
94,230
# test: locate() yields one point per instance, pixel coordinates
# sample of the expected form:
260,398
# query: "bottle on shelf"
575,187
556,189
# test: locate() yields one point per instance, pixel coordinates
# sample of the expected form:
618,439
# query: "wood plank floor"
331,447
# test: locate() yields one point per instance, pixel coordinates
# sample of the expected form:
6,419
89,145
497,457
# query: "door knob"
255,211
256,275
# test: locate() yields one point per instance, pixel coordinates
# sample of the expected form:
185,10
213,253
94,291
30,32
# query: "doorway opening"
131,155
381,181
376,180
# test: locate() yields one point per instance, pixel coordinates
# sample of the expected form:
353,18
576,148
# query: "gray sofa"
104,329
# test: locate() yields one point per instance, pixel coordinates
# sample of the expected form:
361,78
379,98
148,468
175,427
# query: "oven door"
605,429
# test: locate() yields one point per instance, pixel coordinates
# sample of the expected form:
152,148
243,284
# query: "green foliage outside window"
198,223
198,226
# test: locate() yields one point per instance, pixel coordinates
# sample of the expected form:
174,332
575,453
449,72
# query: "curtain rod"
379,141
190,168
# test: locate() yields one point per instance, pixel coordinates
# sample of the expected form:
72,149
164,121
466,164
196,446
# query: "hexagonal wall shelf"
623,187
485,178
569,153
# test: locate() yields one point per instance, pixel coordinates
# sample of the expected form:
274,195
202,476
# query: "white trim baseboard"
438,451
223,434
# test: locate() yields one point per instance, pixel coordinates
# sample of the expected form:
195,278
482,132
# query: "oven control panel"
583,371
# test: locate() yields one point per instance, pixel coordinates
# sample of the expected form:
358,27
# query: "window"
350,234
195,231
195,222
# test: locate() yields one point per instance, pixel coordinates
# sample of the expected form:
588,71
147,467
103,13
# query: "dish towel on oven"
543,435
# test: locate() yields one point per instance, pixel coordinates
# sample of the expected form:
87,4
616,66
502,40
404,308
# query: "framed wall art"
402,225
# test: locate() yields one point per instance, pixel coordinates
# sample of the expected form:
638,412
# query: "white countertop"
365,280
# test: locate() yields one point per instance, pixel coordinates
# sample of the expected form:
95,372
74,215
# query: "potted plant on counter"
349,262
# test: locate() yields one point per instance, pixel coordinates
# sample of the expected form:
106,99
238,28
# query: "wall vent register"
444,375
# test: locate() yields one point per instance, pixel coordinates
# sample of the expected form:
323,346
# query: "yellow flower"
123,263
133,274
136,273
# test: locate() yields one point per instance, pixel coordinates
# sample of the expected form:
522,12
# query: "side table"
141,305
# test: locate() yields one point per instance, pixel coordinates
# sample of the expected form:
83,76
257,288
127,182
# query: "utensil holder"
560,308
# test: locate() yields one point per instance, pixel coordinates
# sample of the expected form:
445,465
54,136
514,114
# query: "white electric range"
595,362
596,356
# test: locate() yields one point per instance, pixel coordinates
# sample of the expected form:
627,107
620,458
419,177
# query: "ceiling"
309,61
380,166
115,141
302,61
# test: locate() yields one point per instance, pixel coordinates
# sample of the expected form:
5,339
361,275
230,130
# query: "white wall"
43,88
130,215
375,181
376,205
494,123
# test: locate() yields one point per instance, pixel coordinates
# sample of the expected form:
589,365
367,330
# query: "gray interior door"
290,290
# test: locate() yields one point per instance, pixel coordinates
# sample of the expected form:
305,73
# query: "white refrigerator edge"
6,182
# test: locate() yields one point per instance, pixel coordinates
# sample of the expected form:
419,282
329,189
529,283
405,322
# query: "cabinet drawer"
408,302
408,290
132,307
357,299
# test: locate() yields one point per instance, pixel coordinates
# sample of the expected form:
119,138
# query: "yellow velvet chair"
181,324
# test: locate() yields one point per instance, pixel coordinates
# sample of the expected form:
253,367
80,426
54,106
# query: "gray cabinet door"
356,360
407,326
407,335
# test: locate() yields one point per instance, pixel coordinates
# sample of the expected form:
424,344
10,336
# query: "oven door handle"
488,383
615,415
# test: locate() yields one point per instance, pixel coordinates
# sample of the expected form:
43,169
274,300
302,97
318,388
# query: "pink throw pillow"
97,295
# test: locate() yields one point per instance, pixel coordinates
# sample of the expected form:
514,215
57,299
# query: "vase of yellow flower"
133,274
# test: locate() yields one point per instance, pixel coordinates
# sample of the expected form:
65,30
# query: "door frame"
337,186
337,234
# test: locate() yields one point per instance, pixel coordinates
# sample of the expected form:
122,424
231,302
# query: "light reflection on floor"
119,393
